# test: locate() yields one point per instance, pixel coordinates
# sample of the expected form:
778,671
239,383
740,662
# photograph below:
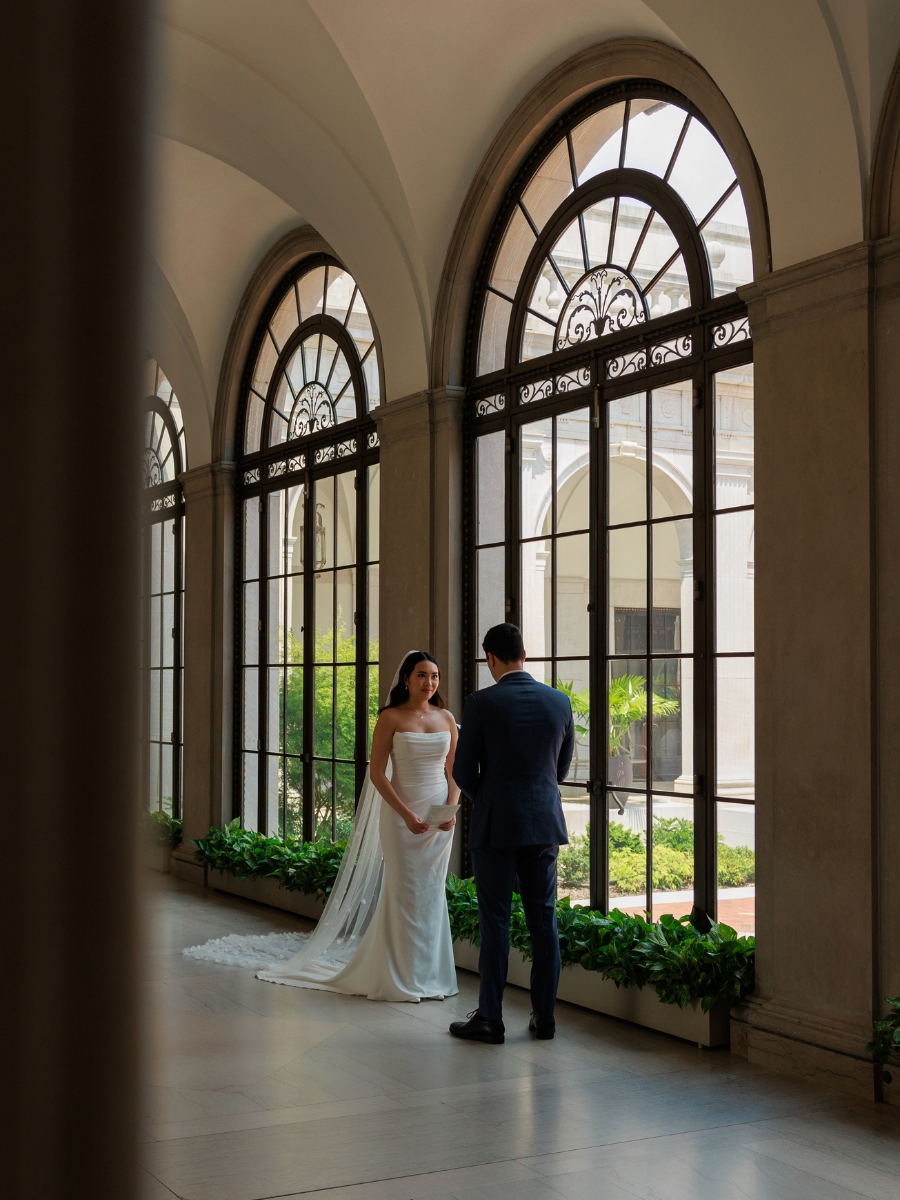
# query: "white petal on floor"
251,951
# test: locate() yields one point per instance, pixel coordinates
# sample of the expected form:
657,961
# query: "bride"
385,932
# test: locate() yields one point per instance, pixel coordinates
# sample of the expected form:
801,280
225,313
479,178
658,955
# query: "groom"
515,748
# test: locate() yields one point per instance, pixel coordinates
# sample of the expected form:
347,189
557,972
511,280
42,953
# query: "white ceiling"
370,120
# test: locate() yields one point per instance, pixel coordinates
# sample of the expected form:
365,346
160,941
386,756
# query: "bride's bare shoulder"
448,717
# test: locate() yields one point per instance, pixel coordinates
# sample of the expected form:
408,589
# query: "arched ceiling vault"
369,122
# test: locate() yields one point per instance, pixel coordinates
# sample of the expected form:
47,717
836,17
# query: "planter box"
158,858
267,891
638,1005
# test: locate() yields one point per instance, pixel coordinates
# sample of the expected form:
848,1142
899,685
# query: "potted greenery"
627,705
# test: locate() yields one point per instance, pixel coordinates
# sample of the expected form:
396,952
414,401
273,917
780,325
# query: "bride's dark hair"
400,694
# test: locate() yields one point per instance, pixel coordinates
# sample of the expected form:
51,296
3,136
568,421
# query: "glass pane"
311,289
274,710
251,708
374,704
573,867
573,494
734,582
491,575
538,336
250,791
324,608
735,760
541,671
632,217
627,459
155,558
276,532
702,171
167,643
494,326
547,297
653,133
153,794
344,800
597,221
485,679
275,647
346,518
627,723
736,825
322,798
549,186
273,794
670,291
734,437
324,502
536,598
253,431
572,594
323,739
285,320
345,713
153,705
340,291
293,649
265,365
490,459
251,538
573,678
345,628
628,853
293,711
516,245
166,718
359,325
536,478
666,733
656,249
168,574
672,853
293,797
673,586
373,483
341,388
568,254
628,589
596,142
251,622
373,603
727,239
373,381
672,418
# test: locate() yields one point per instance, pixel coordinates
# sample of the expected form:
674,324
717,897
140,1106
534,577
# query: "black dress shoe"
479,1029
542,1030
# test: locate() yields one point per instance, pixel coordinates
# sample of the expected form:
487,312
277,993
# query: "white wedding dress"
406,952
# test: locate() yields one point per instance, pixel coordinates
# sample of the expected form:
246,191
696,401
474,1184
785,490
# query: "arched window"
162,561
610,434
308,557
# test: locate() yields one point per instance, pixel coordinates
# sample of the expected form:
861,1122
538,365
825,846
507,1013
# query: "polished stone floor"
257,1090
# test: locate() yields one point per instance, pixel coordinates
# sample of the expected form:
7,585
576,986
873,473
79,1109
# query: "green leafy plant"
161,829
681,963
298,866
885,1045
627,703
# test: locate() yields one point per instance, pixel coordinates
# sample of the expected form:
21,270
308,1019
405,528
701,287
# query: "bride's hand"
414,825
448,825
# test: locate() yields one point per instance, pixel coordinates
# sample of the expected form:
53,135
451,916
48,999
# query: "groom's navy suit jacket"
515,748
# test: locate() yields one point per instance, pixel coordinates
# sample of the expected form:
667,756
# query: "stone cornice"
210,479
815,290
799,1026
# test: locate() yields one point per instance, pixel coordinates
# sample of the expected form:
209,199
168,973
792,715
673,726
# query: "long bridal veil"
353,898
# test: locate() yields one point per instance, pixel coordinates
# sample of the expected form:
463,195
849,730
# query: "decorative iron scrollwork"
664,352
252,476
277,468
152,468
162,502
490,404
313,411
538,389
573,380
626,364
372,440
730,332
344,449
297,463
324,454
603,301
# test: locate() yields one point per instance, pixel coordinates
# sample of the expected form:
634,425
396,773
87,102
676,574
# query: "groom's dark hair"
504,642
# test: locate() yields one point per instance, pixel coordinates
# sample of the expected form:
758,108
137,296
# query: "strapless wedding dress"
406,952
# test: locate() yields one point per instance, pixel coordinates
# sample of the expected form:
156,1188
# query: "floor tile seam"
887,1179
177,1195
269,1124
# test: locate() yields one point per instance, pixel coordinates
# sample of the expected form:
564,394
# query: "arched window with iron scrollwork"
307,684
162,562
610,489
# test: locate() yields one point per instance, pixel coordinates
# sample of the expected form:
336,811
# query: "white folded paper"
439,814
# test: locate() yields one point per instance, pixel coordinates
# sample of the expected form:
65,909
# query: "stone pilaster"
209,656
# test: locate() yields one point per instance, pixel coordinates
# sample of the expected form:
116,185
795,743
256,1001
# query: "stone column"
208,657
812,1010
73,86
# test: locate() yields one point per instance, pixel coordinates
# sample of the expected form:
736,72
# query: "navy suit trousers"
495,873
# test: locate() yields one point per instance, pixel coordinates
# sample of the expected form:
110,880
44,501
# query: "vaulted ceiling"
369,122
